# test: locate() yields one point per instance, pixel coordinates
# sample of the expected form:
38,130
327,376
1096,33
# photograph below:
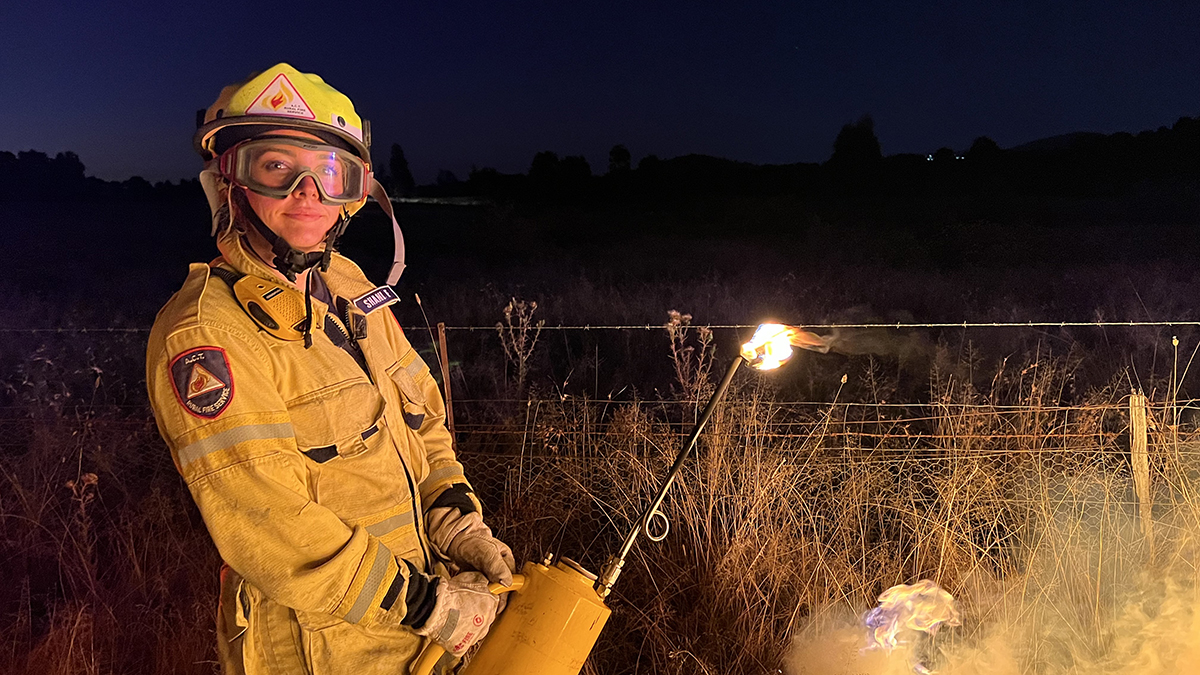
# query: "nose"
307,188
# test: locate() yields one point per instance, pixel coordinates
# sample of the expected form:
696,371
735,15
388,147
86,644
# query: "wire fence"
541,449
647,326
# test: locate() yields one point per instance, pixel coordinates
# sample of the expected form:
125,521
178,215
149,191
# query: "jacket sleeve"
239,458
416,383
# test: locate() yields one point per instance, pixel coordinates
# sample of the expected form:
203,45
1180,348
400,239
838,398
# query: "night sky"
491,83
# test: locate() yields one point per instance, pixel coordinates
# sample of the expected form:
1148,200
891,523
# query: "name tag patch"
375,298
203,381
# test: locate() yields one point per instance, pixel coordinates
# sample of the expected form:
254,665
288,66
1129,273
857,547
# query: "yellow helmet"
281,96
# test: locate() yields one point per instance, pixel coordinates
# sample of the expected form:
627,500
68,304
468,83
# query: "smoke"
1084,595
906,346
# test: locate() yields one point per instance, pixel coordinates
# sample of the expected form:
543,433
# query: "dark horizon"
479,85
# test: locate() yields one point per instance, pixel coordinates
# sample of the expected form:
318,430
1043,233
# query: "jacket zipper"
366,368
418,516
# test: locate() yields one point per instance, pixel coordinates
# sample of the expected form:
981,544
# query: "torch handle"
434,652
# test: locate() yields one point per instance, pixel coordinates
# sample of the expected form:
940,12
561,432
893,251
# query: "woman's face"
300,218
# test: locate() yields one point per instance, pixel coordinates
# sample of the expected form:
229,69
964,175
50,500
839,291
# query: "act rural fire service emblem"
202,380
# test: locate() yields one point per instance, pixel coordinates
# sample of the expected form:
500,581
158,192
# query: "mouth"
304,215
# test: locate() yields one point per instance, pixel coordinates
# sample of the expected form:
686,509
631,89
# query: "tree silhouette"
402,178
544,167
944,155
574,169
856,145
983,148
619,160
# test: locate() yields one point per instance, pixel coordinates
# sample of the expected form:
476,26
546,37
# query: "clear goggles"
273,166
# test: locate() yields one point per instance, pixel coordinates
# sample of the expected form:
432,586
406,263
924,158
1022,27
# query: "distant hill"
1060,142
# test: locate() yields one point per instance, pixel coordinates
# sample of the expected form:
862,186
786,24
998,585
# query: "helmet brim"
220,134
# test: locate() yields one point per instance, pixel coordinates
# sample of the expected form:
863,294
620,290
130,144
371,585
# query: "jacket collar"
344,278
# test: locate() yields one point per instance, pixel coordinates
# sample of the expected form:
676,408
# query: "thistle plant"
519,336
691,354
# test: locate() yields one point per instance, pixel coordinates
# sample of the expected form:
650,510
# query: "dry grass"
1022,507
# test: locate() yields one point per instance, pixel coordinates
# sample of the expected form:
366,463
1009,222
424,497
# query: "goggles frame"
231,165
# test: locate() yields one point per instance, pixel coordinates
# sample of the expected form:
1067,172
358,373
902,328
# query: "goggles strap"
385,203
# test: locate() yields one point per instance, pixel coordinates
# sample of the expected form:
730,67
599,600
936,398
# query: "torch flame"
920,608
771,345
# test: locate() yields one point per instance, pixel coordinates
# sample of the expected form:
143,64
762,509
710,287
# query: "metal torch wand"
612,569
557,612
768,349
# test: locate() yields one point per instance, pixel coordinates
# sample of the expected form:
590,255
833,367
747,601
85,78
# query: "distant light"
928,158
958,157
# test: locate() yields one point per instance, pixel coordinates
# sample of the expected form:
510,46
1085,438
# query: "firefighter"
308,430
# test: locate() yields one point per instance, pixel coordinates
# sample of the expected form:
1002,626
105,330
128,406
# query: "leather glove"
468,543
462,614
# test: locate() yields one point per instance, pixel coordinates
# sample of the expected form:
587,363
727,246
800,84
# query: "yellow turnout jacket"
312,468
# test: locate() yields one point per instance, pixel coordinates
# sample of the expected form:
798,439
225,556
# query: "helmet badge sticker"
281,98
202,380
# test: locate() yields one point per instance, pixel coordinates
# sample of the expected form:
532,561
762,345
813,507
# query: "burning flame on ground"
903,610
771,345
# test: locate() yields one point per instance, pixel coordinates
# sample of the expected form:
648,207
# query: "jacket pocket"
411,396
353,467
333,417
272,637
346,649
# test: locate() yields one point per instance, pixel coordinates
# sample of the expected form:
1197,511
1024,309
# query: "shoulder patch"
203,381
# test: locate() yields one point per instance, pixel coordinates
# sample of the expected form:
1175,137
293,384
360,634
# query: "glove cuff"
419,597
458,496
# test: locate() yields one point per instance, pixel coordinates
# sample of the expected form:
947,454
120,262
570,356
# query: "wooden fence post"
445,363
1139,457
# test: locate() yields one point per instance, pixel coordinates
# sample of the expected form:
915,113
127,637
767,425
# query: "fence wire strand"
815,326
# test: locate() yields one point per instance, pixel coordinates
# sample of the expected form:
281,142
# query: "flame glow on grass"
1087,598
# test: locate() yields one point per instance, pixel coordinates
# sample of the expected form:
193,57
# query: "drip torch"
556,610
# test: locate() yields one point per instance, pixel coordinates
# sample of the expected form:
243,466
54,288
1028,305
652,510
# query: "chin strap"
288,260
291,262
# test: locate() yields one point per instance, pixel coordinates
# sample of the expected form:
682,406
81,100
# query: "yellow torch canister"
549,627
553,618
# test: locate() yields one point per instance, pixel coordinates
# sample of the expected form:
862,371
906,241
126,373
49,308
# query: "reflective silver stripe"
449,626
251,432
415,367
371,587
390,524
440,474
